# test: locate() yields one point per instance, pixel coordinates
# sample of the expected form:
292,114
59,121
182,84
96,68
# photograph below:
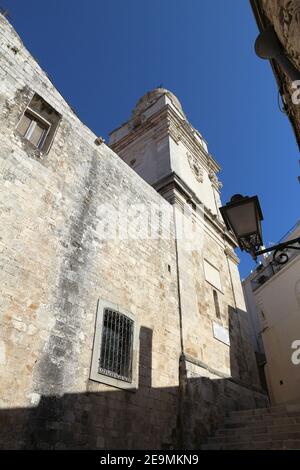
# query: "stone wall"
284,15
207,398
160,144
54,268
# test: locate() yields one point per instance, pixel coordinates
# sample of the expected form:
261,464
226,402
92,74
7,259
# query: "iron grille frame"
116,349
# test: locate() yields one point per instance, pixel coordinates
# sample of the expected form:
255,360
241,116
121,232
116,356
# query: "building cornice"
174,189
231,255
167,122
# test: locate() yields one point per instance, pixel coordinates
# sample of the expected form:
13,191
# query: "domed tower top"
159,143
147,106
154,95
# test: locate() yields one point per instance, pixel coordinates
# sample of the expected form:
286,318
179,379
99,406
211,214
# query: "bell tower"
161,145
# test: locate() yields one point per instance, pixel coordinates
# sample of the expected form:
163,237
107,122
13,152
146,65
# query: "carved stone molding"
231,254
195,167
166,122
214,179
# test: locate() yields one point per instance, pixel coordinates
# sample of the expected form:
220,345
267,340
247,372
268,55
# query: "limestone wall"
55,265
284,15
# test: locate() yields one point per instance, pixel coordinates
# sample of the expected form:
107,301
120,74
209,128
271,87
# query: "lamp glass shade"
243,218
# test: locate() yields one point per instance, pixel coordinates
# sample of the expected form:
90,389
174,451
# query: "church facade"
123,323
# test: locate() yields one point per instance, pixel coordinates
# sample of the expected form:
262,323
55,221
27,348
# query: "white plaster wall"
180,164
279,299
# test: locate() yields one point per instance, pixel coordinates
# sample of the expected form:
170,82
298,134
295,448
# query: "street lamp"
243,216
268,46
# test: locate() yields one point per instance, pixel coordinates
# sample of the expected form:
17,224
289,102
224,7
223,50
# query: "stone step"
278,436
245,420
270,421
258,429
258,410
264,428
271,410
262,445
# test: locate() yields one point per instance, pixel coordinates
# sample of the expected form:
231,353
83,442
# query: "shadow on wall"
149,418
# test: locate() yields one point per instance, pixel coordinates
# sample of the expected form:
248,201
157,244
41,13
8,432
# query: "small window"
34,129
114,360
116,346
217,305
39,123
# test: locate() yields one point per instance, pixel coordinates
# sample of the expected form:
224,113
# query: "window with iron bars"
116,346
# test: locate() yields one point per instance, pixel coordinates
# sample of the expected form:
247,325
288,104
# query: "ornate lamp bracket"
280,256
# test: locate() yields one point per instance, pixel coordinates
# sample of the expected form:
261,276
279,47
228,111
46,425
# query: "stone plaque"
221,333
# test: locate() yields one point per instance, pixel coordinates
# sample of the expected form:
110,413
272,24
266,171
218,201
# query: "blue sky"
102,55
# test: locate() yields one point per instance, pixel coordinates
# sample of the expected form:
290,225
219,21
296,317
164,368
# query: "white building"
272,294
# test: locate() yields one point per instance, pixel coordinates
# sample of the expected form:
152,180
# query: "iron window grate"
116,346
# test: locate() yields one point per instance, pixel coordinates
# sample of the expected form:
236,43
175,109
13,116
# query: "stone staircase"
263,428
